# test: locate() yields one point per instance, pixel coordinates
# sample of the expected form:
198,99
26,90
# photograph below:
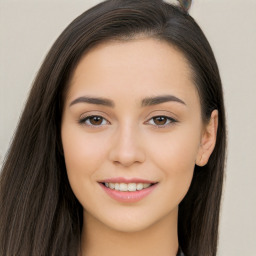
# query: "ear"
208,140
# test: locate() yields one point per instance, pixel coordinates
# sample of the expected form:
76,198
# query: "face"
131,121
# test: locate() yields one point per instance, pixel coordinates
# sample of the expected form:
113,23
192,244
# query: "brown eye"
93,121
161,121
96,120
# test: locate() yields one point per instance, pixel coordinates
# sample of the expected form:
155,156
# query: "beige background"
28,29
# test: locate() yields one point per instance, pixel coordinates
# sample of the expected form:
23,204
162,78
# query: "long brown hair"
39,213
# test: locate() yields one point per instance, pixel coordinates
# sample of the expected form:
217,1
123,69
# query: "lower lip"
128,197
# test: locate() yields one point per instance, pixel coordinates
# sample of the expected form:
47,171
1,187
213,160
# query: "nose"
127,147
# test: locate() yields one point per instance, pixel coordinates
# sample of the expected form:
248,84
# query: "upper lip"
126,180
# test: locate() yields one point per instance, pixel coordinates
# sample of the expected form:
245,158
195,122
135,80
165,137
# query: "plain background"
28,29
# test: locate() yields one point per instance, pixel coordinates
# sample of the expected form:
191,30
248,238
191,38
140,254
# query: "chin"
129,226
130,221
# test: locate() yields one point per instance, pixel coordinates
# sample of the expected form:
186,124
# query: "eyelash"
170,121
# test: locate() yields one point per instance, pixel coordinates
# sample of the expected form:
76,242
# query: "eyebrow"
160,99
93,100
145,102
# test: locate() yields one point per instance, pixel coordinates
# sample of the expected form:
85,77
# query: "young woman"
121,145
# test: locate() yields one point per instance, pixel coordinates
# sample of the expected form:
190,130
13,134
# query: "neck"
161,238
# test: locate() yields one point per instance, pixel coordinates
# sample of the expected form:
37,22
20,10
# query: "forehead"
133,68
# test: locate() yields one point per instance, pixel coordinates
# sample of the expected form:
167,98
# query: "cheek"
175,155
175,152
83,157
82,152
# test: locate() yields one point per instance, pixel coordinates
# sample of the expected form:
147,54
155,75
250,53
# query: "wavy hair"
39,213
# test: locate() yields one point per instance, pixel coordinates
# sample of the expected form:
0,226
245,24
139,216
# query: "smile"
127,186
128,191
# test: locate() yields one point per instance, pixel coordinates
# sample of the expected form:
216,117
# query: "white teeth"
116,186
139,186
127,186
146,185
111,185
132,187
123,187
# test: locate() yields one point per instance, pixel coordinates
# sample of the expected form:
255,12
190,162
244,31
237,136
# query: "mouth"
125,187
128,191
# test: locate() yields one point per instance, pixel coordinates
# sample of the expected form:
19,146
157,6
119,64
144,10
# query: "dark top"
180,253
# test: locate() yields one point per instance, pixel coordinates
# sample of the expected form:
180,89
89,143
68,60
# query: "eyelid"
94,113
83,118
162,112
171,120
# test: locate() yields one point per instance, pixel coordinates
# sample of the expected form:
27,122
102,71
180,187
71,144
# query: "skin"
128,142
